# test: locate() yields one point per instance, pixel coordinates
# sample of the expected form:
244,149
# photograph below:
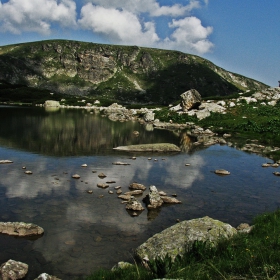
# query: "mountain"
124,73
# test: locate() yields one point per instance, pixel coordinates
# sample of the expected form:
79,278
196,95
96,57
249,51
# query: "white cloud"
19,16
119,26
148,6
189,36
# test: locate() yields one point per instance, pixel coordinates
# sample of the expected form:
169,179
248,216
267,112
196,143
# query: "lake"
86,231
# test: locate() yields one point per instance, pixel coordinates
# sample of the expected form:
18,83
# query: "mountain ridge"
125,73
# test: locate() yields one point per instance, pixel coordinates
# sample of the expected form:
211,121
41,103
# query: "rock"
102,186
134,204
90,191
52,103
119,191
124,196
136,186
178,239
121,265
76,176
117,187
20,229
13,270
28,172
45,276
266,164
136,133
191,99
161,193
149,116
101,175
4,161
276,173
153,199
84,165
157,147
135,192
244,228
170,200
176,108
120,163
222,172
111,182
110,192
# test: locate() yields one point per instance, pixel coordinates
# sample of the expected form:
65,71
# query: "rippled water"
86,231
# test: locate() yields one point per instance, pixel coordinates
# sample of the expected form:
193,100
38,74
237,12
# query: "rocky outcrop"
179,238
20,229
13,270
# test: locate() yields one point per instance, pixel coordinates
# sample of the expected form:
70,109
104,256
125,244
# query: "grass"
254,255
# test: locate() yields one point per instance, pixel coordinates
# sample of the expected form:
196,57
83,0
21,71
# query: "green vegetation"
245,256
116,72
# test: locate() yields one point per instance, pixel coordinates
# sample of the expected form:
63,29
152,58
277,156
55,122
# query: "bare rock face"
178,239
134,204
20,229
153,199
191,99
13,270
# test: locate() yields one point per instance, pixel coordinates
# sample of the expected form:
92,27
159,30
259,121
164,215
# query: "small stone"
24,167
266,164
110,192
84,165
90,191
101,175
155,159
93,171
119,191
120,163
149,158
28,172
133,158
101,196
13,270
124,197
136,186
111,182
276,173
117,187
103,186
135,192
76,176
187,164
222,172
161,193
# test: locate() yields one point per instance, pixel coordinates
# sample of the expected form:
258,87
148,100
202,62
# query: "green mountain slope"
124,73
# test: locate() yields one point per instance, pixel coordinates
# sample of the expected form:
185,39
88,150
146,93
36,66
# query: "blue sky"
239,36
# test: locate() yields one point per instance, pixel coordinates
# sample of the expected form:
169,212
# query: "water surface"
86,231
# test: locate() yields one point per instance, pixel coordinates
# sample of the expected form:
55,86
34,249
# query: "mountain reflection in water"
86,231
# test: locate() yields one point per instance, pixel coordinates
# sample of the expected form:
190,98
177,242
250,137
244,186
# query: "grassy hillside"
128,74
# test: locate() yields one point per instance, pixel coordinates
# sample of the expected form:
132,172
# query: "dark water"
86,231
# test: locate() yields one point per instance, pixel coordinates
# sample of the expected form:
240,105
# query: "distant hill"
124,73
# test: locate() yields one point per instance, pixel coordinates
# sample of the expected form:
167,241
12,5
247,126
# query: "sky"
241,36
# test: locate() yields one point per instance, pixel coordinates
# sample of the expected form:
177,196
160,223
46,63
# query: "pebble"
28,172
84,165
76,176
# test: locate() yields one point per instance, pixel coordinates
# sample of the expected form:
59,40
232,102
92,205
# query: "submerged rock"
20,229
13,270
178,239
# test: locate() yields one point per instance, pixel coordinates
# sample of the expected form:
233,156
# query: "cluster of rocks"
154,199
17,270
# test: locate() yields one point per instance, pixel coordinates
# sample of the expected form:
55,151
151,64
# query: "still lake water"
86,231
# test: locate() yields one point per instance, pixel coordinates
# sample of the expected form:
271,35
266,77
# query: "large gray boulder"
20,229
178,239
13,270
191,99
